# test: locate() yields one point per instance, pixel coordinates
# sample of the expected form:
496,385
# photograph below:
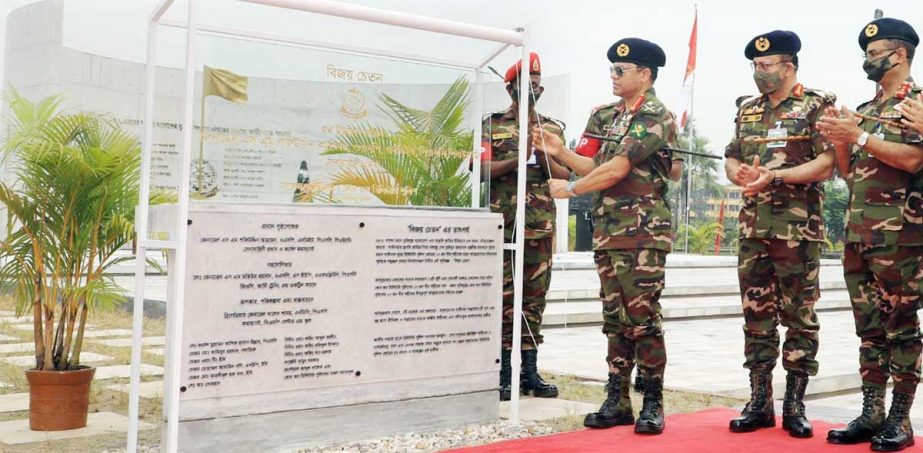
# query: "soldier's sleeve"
821,143
909,135
589,146
486,149
647,134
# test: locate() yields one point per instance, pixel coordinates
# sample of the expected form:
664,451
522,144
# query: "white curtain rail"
291,41
399,19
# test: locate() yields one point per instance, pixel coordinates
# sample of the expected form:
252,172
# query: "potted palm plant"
69,209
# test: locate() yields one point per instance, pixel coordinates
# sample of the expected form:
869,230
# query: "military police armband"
486,151
588,146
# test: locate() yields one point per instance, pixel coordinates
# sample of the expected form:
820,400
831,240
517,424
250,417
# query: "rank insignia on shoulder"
750,118
502,135
638,131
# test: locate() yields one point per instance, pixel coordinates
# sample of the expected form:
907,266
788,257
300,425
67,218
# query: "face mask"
532,100
876,69
767,82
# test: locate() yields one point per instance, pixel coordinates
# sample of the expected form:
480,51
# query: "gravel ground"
441,440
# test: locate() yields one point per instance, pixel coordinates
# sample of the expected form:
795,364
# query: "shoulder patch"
602,106
638,130
745,99
826,95
547,119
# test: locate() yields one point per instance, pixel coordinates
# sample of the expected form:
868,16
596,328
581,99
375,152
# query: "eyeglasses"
619,71
874,54
764,67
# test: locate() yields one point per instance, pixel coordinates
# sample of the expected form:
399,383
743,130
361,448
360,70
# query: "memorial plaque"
302,297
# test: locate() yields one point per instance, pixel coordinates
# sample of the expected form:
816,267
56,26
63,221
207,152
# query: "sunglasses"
620,71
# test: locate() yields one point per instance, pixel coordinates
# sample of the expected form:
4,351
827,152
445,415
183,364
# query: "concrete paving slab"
152,389
538,409
126,342
706,355
124,371
107,333
14,402
16,347
17,432
29,360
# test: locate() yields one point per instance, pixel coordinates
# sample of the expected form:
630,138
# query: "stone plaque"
288,298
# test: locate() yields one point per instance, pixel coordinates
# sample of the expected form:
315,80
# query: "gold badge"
353,106
871,30
534,65
501,135
622,50
762,44
750,118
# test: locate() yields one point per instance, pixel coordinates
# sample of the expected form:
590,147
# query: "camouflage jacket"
633,213
792,211
500,141
885,203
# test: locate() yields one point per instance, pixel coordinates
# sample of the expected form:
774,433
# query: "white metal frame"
176,246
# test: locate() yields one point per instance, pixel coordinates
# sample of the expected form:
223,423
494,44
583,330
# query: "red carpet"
705,431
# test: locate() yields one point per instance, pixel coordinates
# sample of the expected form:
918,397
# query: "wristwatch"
571,185
863,139
776,180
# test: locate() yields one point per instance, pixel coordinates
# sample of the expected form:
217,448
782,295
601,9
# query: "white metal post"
177,301
476,158
140,237
519,238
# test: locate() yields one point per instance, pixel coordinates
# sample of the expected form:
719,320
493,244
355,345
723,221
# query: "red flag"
719,234
686,92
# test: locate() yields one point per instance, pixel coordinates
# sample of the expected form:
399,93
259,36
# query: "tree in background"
835,201
421,162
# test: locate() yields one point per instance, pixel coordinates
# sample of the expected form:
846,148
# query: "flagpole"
690,135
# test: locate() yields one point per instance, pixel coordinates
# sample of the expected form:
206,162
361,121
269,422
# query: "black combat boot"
896,434
505,371
867,425
639,383
529,379
793,419
650,420
611,413
758,413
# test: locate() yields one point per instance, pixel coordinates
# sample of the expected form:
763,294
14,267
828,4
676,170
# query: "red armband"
486,151
588,146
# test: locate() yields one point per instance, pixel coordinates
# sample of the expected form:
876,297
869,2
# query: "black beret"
637,51
776,42
887,28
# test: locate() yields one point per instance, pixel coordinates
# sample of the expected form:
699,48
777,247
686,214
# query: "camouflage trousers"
536,270
631,281
884,288
778,283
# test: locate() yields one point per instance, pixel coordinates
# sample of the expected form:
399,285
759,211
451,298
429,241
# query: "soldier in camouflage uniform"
881,161
622,159
779,158
499,160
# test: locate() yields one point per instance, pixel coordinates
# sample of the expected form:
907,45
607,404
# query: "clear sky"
572,38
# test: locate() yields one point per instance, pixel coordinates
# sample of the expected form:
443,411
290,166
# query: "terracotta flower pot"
58,400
